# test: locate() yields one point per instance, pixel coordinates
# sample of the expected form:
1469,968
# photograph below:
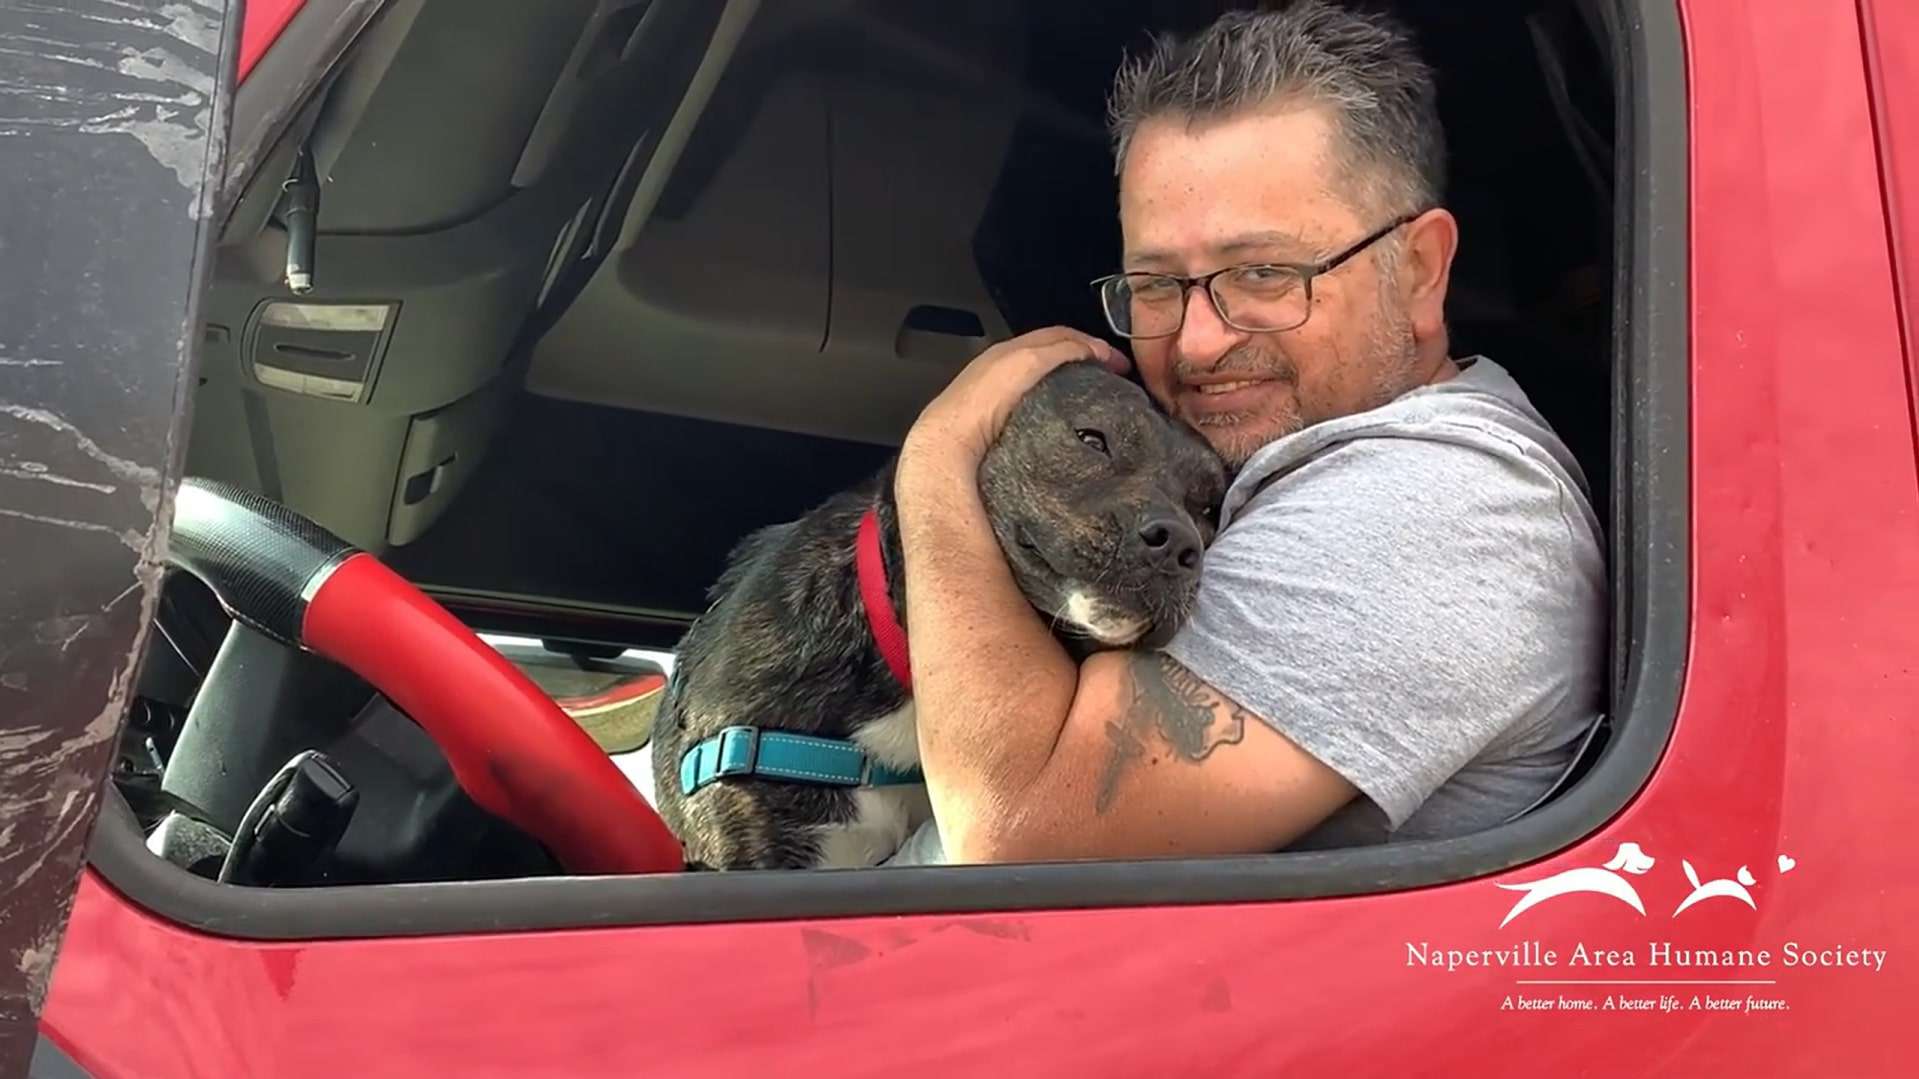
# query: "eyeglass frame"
1306,271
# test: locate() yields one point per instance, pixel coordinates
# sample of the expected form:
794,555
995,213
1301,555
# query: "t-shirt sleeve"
1392,606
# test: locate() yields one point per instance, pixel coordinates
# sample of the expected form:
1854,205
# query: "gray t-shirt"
1415,595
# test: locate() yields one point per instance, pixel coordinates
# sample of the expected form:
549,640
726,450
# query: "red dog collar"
880,616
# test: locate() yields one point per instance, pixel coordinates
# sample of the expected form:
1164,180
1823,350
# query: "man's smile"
1214,401
1224,387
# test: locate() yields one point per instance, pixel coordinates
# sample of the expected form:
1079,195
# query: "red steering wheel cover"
511,748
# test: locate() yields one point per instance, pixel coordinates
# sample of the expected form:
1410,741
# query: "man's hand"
962,422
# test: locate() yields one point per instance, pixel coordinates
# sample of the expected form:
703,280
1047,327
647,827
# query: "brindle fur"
785,643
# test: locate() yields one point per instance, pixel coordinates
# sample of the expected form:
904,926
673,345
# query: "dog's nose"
1170,542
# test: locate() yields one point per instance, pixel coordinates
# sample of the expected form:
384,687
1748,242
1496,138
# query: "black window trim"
1650,548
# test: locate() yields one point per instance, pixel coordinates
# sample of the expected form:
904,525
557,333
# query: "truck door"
113,124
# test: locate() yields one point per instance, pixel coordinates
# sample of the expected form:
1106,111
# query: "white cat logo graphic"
1717,889
1600,881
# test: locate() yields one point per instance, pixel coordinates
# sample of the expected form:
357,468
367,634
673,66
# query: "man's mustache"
1248,360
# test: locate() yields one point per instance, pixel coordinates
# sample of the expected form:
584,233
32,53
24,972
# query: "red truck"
374,375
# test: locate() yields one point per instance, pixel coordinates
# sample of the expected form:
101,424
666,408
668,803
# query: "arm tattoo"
1170,701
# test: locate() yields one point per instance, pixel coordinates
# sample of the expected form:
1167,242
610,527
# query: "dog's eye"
1092,438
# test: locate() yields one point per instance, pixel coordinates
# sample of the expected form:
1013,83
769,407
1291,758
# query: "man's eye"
1093,438
1264,280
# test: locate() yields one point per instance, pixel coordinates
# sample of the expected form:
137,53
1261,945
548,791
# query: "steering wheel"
510,747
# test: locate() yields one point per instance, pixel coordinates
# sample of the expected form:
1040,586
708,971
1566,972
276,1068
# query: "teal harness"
810,759
806,758
795,758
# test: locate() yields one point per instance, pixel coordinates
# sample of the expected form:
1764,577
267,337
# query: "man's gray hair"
1363,68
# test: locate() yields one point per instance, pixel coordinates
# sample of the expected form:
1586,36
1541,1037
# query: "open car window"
689,268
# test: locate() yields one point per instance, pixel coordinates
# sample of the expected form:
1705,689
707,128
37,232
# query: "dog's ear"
1131,374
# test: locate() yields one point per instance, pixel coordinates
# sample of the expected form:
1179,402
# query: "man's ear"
1426,266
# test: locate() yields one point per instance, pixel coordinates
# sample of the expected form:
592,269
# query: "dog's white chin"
1100,620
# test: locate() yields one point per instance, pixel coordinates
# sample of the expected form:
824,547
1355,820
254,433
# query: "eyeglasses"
1266,297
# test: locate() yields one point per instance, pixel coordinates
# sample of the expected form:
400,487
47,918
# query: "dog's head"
1103,506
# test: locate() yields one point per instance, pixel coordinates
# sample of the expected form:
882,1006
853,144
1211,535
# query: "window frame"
1649,537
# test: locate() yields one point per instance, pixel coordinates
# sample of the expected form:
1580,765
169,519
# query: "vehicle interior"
600,286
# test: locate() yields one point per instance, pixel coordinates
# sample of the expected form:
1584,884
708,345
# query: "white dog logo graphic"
1600,881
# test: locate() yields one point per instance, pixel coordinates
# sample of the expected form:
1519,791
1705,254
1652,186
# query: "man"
1399,630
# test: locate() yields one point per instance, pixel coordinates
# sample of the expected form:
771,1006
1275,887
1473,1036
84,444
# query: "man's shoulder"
1472,446
1431,496
1421,472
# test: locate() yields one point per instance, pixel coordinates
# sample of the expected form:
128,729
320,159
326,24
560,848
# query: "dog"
786,738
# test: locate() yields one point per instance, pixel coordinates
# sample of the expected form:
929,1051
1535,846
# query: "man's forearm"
992,687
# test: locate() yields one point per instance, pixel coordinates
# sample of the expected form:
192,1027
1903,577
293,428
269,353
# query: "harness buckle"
739,752
735,751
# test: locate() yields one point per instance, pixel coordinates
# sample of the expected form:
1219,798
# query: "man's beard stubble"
1237,436
1391,354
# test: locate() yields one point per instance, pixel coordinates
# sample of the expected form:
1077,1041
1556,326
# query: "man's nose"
1204,337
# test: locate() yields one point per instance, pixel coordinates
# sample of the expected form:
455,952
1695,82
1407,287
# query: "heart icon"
1786,864
1745,877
